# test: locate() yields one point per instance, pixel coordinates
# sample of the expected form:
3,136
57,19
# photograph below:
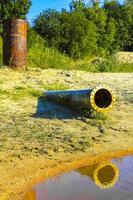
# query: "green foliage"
51,30
87,30
43,57
14,9
77,5
107,65
99,18
64,31
39,55
109,36
123,20
34,39
129,2
80,30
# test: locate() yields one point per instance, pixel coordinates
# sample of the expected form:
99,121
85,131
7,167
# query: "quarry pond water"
109,180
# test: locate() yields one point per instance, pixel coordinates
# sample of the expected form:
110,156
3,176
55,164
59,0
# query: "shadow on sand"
50,110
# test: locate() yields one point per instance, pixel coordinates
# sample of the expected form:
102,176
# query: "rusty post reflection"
104,175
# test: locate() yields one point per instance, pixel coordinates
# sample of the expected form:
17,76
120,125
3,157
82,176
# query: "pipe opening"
103,98
106,174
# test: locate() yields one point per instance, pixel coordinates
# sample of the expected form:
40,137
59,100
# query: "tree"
94,3
109,43
130,2
81,36
47,24
99,18
14,9
123,16
77,5
87,29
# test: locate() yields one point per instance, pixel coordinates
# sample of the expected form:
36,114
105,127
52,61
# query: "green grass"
4,93
56,86
41,56
21,92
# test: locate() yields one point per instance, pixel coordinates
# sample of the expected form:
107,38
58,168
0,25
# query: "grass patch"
20,92
43,57
4,93
99,116
56,86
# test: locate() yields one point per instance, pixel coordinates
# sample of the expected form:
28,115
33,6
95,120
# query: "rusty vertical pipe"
14,42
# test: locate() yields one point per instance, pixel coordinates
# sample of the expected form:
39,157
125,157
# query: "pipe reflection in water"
101,181
100,98
104,175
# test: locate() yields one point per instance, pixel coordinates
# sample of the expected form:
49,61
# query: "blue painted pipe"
100,98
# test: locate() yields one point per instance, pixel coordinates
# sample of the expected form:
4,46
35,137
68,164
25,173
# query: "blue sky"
40,5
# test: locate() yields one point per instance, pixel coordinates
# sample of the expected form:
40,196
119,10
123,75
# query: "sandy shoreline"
34,148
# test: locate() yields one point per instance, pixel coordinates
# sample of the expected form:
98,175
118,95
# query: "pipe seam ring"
92,95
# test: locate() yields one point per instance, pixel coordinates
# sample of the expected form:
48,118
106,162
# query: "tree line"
88,29
84,29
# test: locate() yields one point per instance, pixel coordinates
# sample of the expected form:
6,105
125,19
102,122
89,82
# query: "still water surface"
111,180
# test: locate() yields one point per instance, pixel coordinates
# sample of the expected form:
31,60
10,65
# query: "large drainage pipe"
100,98
14,42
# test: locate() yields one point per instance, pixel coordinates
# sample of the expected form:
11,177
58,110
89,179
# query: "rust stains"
14,42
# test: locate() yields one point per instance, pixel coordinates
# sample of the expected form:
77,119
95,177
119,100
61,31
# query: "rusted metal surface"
14,42
100,98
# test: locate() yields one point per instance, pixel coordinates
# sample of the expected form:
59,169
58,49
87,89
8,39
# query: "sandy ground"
125,57
39,139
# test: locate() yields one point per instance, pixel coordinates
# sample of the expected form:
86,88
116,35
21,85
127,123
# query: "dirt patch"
36,136
125,57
